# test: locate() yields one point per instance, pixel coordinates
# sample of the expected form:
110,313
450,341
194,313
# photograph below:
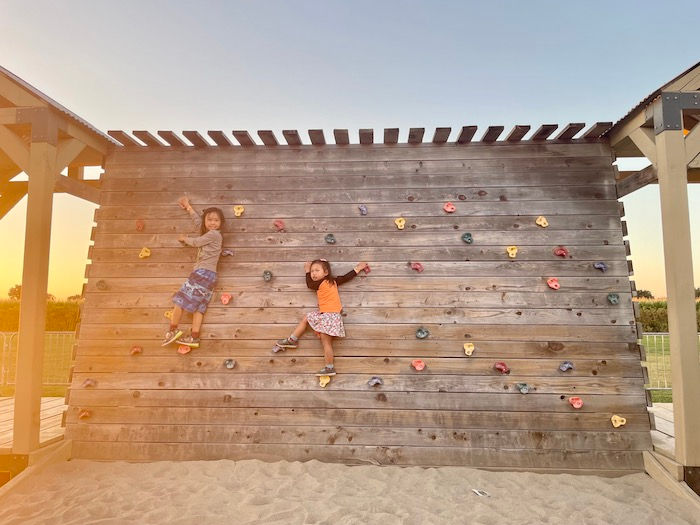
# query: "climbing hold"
416,266
267,275
145,252
501,367
363,209
376,380
230,363
601,266
101,285
480,492
561,251
541,221
184,349
467,237
422,333
168,314
89,382
566,365
462,197
613,298
400,223
277,348
323,381
84,414
617,421
225,298
367,269
140,225
238,210
468,348
523,387
576,402
553,283
330,238
449,207
136,350
512,251
418,364
227,253
279,225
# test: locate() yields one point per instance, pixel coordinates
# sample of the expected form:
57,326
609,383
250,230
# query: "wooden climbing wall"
159,405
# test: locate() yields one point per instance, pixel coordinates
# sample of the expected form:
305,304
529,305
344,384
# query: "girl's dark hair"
203,228
326,267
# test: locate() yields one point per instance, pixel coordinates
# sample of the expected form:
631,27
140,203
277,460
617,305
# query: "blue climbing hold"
601,266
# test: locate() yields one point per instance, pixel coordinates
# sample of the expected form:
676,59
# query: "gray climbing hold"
601,266
277,348
467,237
330,238
422,333
523,387
376,380
230,363
363,209
267,275
613,298
566,365
227,253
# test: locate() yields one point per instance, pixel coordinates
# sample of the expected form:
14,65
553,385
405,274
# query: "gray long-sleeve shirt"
208,245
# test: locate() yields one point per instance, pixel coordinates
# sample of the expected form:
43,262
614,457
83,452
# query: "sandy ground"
232,492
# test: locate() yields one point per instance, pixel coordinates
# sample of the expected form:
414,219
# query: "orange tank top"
328,298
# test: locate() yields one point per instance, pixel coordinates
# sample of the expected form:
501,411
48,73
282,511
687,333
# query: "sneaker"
171,336
287,343
188,340
326,371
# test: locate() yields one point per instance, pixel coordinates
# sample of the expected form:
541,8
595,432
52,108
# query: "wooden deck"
663,436
52,409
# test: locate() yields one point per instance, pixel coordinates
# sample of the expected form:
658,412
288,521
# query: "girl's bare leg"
301,327
327,342
197,318
177,315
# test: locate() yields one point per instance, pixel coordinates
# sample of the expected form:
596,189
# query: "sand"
232,492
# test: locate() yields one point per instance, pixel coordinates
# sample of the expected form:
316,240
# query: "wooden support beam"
517,133
292,137
18,95
8,116
341,137
391,135
68,149
196,139
9,197
81,189
243,138
465,136
366,136
680,290
633,181
441,135
15,148
492,133
98,143
268,137
544,131
317,138
124,138
415,135
596,130
222,141
569,131
147,139
643,138
692,145
171,138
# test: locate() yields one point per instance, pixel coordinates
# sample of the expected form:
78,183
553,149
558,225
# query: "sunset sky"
330,64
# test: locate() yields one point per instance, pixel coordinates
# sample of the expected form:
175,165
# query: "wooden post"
685,365
42,176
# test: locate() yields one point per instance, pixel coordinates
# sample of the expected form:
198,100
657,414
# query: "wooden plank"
415,135
172,139
316,137
126,140
148,139
441,135
596,130
243,138
341,137
492,133
366,136
466,134
220,138
570,130
632,181
292,137
391,135
517,133
268,137
196,139
544,131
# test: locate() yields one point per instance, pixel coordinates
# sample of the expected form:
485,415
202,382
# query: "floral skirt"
195,293
326,323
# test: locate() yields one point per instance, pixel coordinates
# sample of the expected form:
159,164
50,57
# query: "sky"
332,64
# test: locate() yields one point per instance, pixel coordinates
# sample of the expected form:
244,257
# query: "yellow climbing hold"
400,223
168,314
618,421
542,221
512,251
145,252
323,381
238,210
468,348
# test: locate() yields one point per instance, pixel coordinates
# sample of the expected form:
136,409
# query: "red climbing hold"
561,251
501,367
367,269
418,364
553,283
184,349
449,207
279,224
136,350
416,266
576,402
140,225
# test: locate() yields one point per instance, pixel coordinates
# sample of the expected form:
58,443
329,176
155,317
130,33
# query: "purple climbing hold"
566,365
363,209
601,266
376,380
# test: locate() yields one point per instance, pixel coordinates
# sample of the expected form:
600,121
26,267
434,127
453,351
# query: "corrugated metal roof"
58,107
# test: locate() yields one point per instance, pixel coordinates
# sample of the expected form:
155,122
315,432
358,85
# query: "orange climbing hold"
449,207
418,364
136,350
553,283
184,349
576,402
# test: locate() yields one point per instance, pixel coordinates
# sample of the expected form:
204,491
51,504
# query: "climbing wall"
133,399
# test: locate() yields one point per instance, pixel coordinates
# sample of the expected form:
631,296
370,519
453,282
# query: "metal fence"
658,359
58,354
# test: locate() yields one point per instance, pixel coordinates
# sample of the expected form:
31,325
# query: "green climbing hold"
330,238
422,333
467,237
267,275
613,298
523,387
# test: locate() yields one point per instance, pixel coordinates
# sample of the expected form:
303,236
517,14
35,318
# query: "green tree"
644,294
15,292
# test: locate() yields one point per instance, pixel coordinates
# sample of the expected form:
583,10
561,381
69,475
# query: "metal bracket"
668,110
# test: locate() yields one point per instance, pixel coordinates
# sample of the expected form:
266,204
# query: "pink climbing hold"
561,251
576,402
279,225
449,207
418,364
184,349
140,225
367,269
501,367
416,266
225,298
553,283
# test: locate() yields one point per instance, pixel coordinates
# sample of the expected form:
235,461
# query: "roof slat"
441,135
544,131
596,130
465,136
341,137
196,139
243,138
147,138
391,135
220,138
172,139
317,137
492,133
292,137
415,135
517,133
569,131
366,136
268,137
123,137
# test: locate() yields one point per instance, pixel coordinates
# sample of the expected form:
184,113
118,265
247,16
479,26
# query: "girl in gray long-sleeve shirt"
194,295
